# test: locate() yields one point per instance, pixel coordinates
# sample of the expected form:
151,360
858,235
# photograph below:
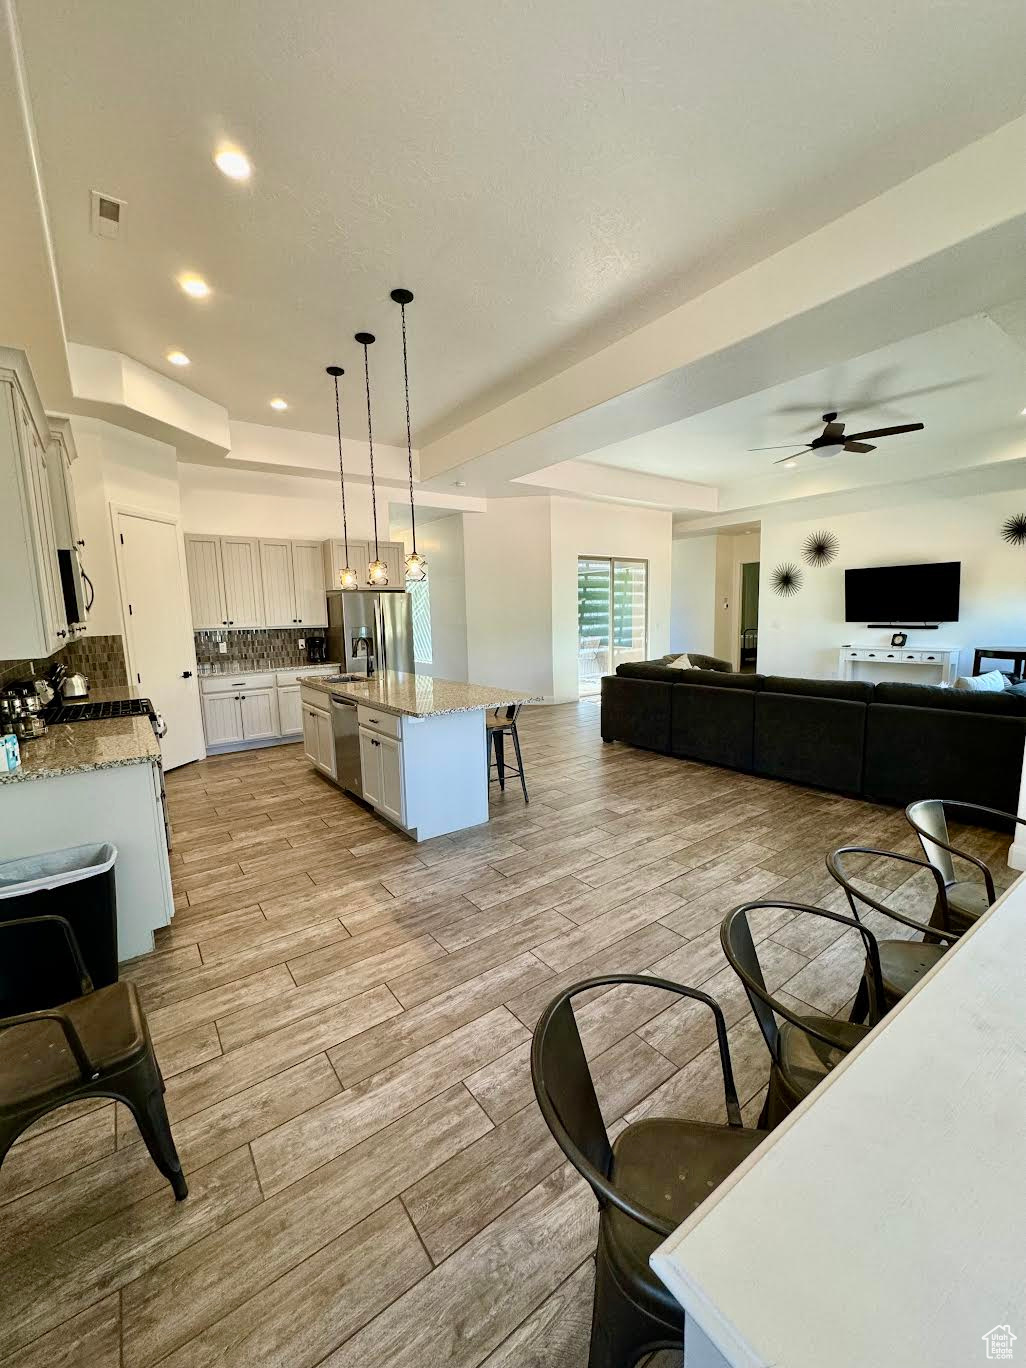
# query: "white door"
311,741
308,578
206,583
370,767
279,595
222,718
259,714
391,753
244,599
158,631
325,743
290,711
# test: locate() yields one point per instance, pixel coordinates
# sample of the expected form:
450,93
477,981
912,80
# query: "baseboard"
262,744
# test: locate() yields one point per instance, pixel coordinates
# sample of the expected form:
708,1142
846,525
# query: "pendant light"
416,565
347,576
377,570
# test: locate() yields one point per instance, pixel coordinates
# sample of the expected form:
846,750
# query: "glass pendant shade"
348,578
377,573
416,567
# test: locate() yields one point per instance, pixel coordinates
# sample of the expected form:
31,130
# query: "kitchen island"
413,747
90,782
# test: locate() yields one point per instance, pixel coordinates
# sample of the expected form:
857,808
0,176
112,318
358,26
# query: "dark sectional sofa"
890,743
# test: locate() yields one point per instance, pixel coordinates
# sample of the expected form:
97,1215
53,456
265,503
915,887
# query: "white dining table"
883,1223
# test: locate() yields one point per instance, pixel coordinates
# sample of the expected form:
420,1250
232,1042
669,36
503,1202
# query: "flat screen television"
903,594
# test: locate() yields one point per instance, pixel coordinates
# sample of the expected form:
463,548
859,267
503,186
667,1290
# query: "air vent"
106,215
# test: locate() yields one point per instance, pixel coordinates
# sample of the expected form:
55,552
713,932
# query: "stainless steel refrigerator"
367,623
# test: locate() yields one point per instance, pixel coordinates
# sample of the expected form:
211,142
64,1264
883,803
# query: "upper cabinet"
34,623
59,456
360,552
224,581
311,603
293,587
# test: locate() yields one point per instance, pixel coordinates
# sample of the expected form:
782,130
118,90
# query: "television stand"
877,664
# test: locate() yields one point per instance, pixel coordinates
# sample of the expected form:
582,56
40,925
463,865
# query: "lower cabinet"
259,715
290,710
318,740
229,717
381,765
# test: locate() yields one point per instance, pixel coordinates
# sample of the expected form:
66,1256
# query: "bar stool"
503,723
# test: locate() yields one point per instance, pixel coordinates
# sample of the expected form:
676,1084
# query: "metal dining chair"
806,1047
902,962
968,899
647,1181
96,1045
503,723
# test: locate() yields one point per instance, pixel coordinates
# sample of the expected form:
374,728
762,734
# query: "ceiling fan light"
348,578
834,449
377,574
416,567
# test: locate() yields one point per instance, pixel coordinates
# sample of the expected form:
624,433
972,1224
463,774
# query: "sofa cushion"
810,738
991,682
710,724
636,711
698,661
650,669
854,690
716,679
1004,704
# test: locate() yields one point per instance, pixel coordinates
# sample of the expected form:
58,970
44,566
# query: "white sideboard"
917,664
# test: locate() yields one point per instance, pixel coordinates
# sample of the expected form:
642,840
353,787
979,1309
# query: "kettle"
74,686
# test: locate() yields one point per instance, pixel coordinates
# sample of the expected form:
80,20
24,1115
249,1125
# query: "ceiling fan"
832,441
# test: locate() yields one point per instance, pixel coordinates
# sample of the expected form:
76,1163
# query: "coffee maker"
316,648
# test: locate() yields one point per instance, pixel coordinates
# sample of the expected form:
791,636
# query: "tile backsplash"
100,658
254,647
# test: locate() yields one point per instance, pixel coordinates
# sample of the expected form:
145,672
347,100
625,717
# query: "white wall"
802,635
440,541
583,528
693,595
252,504
508,558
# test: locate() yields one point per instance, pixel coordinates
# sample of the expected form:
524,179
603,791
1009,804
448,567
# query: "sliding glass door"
612,617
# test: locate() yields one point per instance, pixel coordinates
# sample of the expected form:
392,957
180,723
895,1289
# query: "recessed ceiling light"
279,404
194,285
178,358
233,163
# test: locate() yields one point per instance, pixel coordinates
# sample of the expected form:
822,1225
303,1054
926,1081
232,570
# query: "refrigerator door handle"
379,618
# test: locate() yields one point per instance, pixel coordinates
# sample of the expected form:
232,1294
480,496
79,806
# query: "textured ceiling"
545,176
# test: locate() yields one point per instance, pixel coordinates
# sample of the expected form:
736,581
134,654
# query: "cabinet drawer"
228,683
287,677
383,723
313,698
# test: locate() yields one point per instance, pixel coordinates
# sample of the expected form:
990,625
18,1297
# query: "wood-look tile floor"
344,1017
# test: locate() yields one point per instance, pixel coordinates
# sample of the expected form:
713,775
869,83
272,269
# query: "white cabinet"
34,623
259,714
222,719
360,553
307,576
392,554
318,741
293,584
59,456
381,768
290,710
224,581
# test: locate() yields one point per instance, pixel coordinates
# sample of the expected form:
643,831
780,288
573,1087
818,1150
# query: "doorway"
748,622
158,629
612,617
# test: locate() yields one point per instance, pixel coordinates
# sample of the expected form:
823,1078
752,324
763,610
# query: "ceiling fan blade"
886,432
858,446
792,457
833,432
783,446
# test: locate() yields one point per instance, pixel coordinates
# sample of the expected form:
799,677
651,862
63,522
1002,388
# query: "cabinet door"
325,742
394,556
334,559
259,714
279,592
65,520
370,767
308,577
222,718
243,593
311,741
55,624
391,804
290,711
206,582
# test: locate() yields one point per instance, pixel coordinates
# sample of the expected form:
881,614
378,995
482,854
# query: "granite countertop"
227,667
81,746
413,695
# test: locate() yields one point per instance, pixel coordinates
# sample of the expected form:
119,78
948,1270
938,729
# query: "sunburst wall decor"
1013,529
820,548
786,579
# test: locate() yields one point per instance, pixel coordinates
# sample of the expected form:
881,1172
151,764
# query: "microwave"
76,586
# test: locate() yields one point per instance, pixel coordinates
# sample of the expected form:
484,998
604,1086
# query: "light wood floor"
343,1018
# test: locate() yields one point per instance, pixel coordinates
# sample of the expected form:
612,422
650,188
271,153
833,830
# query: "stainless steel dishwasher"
345,729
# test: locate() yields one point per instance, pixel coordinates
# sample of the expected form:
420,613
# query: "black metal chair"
656,1173
968,899
105,1052
902,962
503,723
805,1048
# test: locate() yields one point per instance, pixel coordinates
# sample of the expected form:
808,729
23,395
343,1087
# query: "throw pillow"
681,663
992,682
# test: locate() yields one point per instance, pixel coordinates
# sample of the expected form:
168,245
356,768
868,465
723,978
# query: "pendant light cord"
370,444
341,470
409,440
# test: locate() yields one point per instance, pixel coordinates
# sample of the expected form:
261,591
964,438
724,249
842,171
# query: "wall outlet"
222,646
301,643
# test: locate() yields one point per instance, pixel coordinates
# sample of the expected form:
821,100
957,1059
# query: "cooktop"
100,712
